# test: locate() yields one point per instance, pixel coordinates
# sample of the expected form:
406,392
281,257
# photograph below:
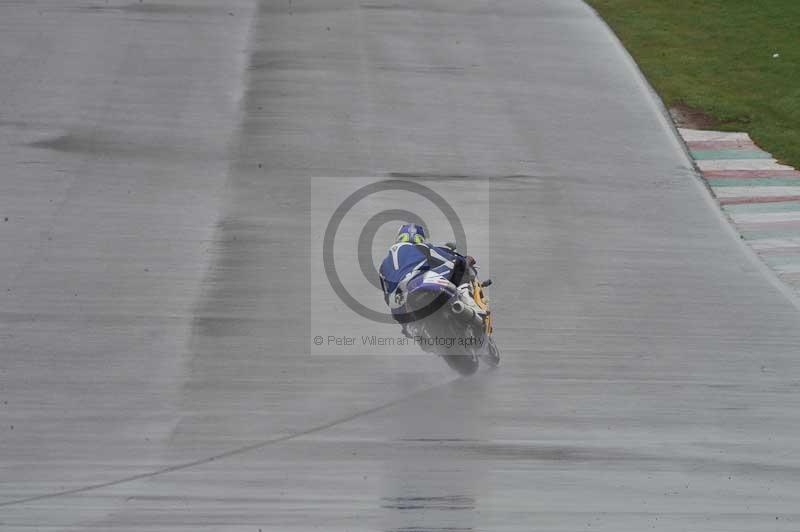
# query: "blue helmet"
411,233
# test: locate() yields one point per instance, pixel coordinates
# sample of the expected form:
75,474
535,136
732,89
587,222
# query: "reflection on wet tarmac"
444,502
435,493
428,529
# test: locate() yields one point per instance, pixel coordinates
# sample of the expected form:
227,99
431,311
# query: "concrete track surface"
154,329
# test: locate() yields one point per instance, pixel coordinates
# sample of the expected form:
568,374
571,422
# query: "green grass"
716,55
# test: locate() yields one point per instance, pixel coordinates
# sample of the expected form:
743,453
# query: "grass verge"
717,56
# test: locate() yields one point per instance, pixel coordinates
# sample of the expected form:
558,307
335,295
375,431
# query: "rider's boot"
466,298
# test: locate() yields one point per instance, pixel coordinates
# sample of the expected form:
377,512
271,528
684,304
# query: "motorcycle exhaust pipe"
458,307
464,312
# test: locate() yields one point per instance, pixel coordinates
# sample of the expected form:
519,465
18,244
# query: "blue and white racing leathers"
406,260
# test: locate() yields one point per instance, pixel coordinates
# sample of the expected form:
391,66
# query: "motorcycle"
437,319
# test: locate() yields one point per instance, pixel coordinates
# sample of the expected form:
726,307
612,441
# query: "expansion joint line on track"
226,454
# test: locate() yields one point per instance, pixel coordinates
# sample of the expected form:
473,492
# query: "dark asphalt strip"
227,454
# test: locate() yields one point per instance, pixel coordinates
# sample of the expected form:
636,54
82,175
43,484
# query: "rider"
411,255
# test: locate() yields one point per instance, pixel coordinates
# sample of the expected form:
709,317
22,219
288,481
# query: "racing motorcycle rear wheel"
461,359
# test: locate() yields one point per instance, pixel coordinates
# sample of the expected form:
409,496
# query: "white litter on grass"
775,56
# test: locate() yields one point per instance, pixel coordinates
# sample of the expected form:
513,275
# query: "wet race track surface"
159,164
